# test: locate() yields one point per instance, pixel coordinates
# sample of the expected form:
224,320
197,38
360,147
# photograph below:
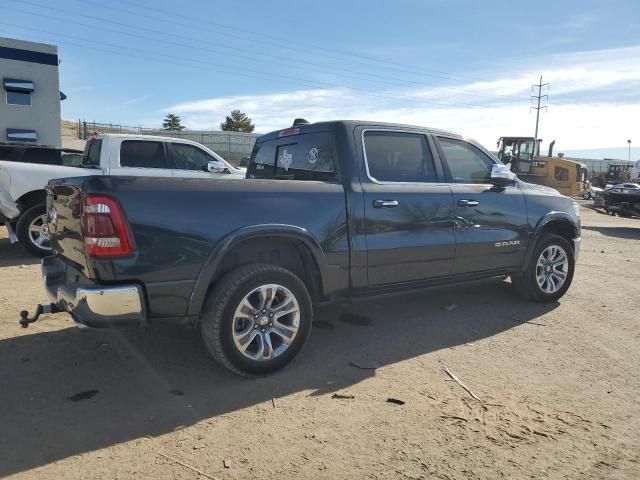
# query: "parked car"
330,211
591,192
22,183
623,187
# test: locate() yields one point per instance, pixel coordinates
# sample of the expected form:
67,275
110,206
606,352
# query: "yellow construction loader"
522,154
617,173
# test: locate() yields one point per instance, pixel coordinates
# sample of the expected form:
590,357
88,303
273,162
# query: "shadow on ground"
71,391
12,255
632,233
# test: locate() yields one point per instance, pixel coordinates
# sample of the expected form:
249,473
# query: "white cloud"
586,109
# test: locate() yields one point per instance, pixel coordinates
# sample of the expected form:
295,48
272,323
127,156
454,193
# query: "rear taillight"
104,228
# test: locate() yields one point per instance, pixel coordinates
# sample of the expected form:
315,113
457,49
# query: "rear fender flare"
208,271
535,236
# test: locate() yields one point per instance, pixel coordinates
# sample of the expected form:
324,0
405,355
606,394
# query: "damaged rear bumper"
90,303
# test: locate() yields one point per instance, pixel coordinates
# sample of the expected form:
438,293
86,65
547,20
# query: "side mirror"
501,176
244,162
215,166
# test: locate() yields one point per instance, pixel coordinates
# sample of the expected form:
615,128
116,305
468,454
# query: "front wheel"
549,273
33,232
586,195
257,319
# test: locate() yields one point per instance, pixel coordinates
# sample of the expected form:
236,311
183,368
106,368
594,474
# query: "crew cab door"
408,222
191,161
490,222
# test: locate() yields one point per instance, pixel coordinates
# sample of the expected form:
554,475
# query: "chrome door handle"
468,203
385,203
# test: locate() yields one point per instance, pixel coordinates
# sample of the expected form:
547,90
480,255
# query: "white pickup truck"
22,195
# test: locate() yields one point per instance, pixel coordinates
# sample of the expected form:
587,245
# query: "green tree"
237,122
172,122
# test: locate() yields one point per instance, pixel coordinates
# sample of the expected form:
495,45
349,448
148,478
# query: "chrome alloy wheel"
552,269
39,232
266,322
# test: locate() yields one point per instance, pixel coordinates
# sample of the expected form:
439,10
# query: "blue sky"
461,65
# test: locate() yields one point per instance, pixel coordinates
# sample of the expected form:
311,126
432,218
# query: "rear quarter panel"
177,223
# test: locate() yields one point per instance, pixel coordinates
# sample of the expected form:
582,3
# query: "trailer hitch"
40,309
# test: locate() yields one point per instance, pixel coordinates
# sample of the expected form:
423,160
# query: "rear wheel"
549,273
33,232
586,195
256,319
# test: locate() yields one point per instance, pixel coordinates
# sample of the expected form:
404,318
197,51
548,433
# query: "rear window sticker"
285,160
312,156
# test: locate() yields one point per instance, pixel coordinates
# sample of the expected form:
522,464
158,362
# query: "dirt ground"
559,387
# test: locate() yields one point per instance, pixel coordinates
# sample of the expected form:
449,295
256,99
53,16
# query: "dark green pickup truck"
328,212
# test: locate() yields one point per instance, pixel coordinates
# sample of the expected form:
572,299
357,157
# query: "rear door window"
307,156
142,154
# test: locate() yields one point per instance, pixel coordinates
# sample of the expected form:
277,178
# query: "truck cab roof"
136,136
350,125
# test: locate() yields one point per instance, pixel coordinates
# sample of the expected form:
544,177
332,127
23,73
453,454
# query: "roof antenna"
300,121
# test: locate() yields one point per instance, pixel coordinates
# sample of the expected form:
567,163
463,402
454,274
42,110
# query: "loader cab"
619,173
517,153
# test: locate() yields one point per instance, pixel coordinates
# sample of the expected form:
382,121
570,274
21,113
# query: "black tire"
586,195
526,283
22,232
217,321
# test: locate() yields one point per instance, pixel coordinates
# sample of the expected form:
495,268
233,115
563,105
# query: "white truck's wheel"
33,232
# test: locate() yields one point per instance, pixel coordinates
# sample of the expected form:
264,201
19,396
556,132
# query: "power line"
285,61
263,58
280,78
287,42
149,56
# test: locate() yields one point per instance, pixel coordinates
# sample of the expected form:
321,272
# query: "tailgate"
64,207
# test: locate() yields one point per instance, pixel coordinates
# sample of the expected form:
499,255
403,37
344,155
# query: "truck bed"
178,225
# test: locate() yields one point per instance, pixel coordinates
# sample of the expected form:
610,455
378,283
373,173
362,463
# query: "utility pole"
538,97
629,157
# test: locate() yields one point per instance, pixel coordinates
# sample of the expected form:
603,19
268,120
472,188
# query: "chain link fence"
232,146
